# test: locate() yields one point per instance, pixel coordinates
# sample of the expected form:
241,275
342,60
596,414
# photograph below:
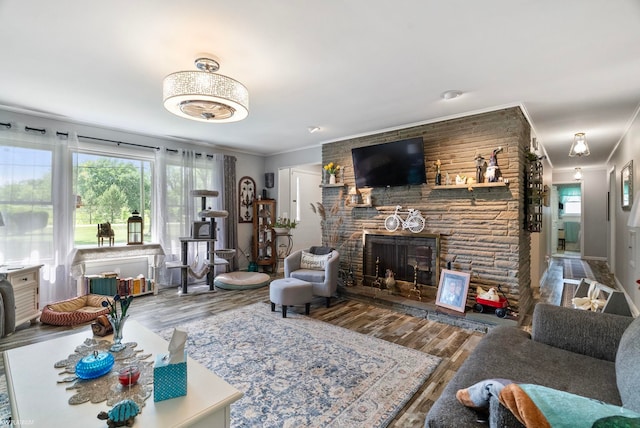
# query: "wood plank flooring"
452,344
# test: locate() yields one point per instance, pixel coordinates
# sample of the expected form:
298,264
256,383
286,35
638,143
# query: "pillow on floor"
313,262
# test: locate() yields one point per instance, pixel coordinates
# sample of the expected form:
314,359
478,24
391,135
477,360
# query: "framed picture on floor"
453,289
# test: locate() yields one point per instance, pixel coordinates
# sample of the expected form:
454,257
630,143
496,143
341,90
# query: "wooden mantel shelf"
472,186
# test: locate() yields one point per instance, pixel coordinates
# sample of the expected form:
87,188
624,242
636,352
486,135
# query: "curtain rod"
119,142
197,154
66,134
40,130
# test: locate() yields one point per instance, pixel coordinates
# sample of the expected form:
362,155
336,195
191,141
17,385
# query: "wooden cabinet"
263,247
26,291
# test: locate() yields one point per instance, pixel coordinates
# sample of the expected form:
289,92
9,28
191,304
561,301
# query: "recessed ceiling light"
313,129
451,94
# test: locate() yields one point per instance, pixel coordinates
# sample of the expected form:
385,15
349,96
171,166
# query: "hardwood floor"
452,344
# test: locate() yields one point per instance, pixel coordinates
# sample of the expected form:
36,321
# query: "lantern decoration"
134,229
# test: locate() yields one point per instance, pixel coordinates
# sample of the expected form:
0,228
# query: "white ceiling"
350,67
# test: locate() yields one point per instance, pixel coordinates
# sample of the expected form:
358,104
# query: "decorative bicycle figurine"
414,222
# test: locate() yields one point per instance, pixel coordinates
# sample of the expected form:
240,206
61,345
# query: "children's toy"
501,305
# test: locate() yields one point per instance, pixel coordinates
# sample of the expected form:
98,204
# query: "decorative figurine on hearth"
390,280
493,171
122,414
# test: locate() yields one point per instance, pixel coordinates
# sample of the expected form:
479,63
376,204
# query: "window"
570,198
26,204
109,189
572,206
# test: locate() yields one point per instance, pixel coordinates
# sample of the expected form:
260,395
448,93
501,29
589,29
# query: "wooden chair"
561,240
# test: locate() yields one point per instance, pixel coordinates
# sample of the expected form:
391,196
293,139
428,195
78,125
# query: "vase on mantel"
332,179
117,323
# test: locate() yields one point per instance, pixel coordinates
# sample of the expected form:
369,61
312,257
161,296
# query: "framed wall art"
626,180
246,196
452,291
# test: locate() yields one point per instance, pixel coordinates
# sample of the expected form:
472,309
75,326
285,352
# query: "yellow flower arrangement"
437,164
332,168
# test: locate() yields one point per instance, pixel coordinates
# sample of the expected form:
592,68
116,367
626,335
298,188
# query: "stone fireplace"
481,230
410,256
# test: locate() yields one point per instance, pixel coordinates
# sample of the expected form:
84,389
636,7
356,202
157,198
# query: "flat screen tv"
398,163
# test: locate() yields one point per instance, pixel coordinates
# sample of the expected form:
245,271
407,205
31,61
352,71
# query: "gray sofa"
595,355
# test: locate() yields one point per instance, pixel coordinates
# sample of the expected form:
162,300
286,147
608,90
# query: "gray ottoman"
290,292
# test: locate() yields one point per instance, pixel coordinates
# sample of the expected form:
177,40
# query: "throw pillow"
540,406
312,261
320,251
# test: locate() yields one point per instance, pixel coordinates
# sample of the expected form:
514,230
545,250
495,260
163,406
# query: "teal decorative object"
122,414
94,365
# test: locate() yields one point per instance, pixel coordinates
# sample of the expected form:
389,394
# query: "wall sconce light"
579,146
578,174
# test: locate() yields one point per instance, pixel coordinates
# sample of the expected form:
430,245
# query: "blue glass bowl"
94,365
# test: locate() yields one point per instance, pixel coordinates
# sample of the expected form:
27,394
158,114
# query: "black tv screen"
398,163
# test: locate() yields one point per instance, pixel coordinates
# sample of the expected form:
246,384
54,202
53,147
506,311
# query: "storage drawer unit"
26,291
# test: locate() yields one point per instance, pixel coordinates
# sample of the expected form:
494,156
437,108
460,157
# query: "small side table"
284,245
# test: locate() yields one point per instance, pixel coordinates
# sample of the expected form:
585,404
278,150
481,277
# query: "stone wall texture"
484,229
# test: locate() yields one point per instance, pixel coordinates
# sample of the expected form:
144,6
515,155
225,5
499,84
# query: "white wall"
627,253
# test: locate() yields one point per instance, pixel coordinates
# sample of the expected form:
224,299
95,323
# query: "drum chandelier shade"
204,95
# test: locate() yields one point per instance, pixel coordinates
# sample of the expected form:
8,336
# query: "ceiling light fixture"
451,94
313,129
204,95
578,174
579,147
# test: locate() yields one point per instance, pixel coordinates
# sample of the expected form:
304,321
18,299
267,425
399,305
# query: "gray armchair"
324,282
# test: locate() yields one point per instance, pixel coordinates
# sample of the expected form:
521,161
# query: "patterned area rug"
5,405
568,290
576,269
297,371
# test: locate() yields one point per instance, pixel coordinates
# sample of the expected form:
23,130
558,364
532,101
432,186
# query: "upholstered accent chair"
317,266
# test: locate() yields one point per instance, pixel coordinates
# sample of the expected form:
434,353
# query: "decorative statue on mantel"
479,166
493,171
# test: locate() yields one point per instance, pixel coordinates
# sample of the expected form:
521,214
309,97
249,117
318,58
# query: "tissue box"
169,380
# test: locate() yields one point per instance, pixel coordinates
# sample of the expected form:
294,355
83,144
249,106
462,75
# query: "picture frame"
453,289
626,186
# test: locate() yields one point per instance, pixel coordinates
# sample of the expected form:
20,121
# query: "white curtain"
36,200
178,172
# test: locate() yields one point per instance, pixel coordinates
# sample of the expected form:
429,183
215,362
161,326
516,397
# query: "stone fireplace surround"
482,229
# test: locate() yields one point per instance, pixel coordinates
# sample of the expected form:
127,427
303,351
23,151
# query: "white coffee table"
37,400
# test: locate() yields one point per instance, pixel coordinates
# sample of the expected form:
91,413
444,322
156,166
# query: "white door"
304,190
